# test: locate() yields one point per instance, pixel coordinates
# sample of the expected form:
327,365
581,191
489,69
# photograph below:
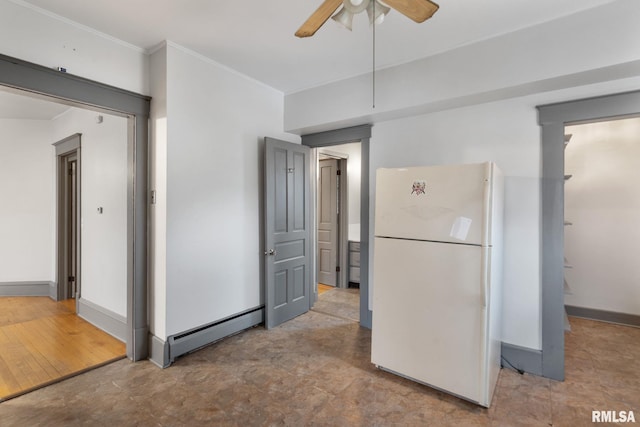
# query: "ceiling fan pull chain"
373,89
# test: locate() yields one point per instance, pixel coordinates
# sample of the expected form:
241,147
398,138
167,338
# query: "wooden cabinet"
354,262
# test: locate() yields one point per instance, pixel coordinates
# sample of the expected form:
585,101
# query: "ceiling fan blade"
418,10
318,18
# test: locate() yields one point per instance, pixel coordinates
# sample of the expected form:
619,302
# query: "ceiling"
256,37
18,105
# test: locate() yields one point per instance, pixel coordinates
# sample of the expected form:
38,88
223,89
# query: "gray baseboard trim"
159,352
110,322
26,289
527,359
604,315
139,345
194,339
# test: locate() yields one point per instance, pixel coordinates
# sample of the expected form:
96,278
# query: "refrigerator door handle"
484,283
485,278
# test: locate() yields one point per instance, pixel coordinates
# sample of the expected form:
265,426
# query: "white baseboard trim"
110,322
26,289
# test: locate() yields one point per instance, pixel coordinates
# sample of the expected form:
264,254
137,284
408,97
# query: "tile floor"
315,371
339,302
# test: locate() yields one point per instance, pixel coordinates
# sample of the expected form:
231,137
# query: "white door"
437,203
428,314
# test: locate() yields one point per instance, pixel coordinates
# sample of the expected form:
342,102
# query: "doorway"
68,195
350,298
602,206
46,194
552,119
332,218
337,184
44,82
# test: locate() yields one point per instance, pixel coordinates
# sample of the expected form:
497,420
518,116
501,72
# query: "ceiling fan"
417,10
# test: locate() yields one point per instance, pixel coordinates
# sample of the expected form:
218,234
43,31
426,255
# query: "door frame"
343,217
64,149
360,134
552,119
84,93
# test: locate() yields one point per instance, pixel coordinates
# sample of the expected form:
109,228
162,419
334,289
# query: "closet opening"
601,221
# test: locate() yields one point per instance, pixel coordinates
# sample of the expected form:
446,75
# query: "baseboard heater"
197,338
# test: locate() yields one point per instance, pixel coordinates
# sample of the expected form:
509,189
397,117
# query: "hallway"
344,303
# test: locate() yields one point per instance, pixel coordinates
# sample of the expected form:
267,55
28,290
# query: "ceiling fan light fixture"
344,18
380,12
354,6
416,10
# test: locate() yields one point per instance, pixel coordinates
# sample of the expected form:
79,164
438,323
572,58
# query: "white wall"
103,184
28,208
352,151
504,132
27,197
40,37
158,183
216,122
596,45
602,200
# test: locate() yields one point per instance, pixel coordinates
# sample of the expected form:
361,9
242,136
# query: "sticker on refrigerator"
460,228
419,187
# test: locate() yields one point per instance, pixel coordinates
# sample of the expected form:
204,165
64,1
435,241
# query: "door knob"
272,252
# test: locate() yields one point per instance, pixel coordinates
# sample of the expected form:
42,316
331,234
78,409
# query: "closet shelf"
567,138
567,289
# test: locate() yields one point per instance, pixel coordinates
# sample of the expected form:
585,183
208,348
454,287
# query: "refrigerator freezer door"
435,203
429,314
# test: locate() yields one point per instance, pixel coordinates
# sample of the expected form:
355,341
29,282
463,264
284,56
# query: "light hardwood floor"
324,288
43,341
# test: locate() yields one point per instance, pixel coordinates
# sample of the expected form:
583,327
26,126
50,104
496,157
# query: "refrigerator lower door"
429,315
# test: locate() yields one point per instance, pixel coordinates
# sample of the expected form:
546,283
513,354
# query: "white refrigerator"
437,273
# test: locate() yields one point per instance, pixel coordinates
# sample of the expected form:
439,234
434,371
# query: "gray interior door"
327,221
287,231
